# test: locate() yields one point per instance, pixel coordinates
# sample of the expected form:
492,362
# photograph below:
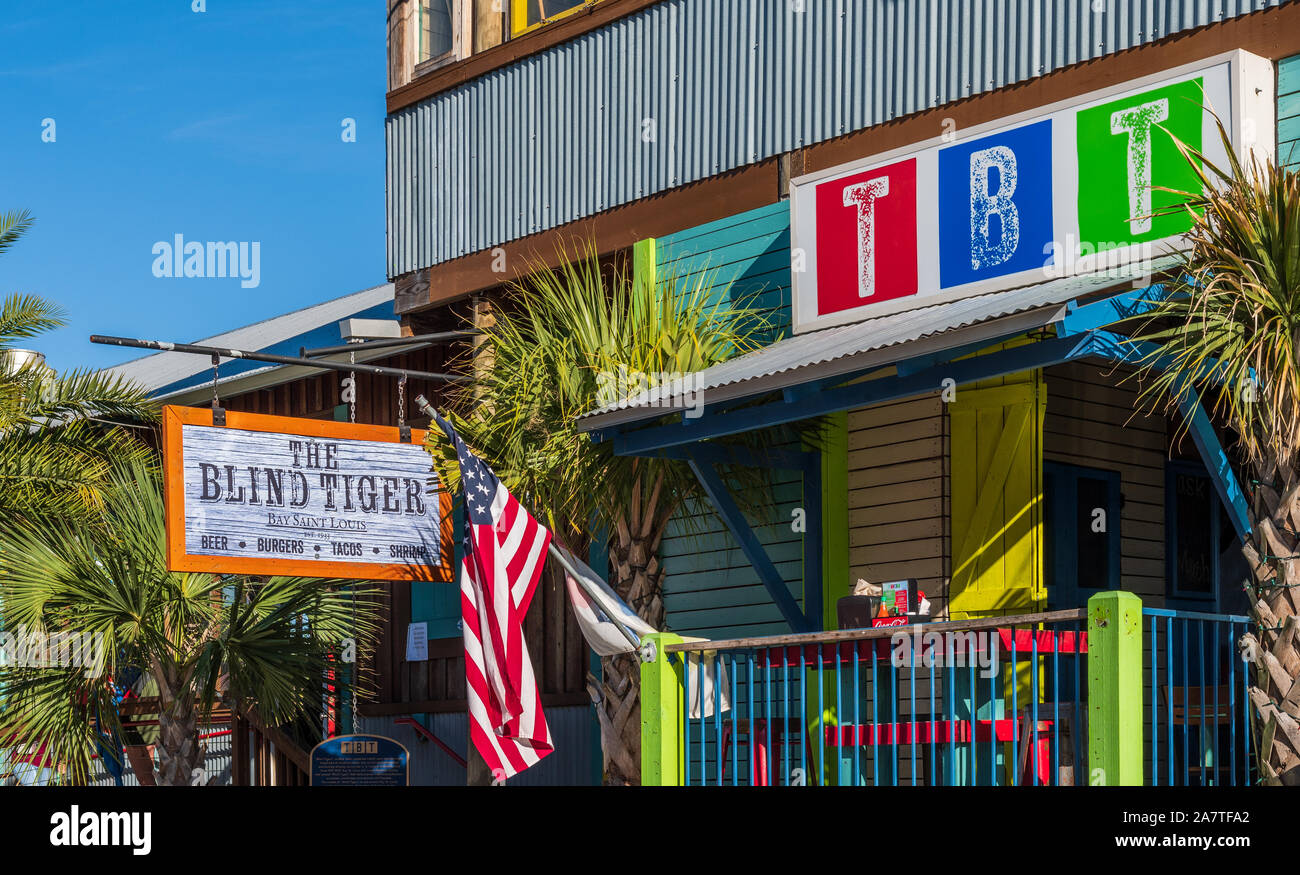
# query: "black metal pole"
386,342
273,359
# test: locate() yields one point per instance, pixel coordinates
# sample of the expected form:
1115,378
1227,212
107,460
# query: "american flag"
504,554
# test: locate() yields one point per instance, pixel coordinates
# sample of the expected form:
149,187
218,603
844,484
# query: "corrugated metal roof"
688,89
871,343
164,369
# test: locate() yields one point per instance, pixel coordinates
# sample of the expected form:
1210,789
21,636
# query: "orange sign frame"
178,559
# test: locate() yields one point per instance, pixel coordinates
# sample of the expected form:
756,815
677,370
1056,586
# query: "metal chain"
216,375
352,375
401,402
353,671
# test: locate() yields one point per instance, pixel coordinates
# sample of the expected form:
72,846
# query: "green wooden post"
661,715
1115,689
645,258
835,585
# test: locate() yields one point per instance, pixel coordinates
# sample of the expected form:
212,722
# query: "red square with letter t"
866,238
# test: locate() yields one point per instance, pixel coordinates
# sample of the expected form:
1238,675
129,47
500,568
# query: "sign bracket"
270,358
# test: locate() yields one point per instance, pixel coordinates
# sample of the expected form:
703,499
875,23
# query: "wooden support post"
1115,689
661,715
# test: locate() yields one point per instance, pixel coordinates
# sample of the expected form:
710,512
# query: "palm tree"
202,638
1229,327
57,433
564,342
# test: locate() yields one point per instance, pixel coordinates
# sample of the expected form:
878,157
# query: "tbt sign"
1071,188
269,495
359,761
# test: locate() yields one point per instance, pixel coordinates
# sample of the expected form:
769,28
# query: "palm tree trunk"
178,742
638,579
1274,650
178,727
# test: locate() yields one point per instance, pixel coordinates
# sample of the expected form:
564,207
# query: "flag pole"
423,405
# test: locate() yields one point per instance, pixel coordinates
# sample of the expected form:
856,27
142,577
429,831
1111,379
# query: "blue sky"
223,125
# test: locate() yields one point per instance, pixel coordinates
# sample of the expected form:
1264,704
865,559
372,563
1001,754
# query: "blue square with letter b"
995,205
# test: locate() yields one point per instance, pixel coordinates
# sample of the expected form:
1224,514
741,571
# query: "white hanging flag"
706,670
599,609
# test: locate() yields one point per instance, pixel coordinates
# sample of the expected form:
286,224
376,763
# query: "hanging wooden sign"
272,495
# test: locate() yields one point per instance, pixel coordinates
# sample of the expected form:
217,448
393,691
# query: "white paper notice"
417,642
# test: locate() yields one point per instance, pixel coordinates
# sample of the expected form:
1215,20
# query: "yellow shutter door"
996,476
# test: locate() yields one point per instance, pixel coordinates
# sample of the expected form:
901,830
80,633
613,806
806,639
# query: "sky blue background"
221,125
1032,146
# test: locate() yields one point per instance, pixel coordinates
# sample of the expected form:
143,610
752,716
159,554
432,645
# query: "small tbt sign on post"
359,761
271,495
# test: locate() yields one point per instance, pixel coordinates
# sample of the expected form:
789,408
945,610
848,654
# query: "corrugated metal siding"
573,730
563,134
1288,112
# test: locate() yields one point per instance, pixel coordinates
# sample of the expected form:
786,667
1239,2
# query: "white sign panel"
270,495
1076,187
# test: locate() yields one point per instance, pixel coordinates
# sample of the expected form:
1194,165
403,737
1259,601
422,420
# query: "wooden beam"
282,742
815,638
1010,361
459,706
611,231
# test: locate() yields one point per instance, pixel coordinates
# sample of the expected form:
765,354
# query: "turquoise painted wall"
710,589
750,251
1288,112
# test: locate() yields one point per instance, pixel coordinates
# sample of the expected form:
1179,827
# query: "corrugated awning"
878,342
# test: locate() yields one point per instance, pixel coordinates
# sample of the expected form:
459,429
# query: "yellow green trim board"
1115,689
662,764
645,261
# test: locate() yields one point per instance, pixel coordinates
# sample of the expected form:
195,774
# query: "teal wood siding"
746,255
1288,112
710,590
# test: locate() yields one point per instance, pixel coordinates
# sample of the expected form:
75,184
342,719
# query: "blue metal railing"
977,702
1199,728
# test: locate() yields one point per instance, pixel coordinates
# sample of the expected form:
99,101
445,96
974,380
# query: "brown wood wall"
1094,420
555,644
898,495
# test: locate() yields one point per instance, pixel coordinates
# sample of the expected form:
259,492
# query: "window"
528,14
1081,532
437,18
1202,555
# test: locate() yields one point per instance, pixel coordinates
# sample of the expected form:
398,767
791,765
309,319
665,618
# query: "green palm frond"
266,644
13,225
24,316
61,472
84,394
572,339
1228,325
